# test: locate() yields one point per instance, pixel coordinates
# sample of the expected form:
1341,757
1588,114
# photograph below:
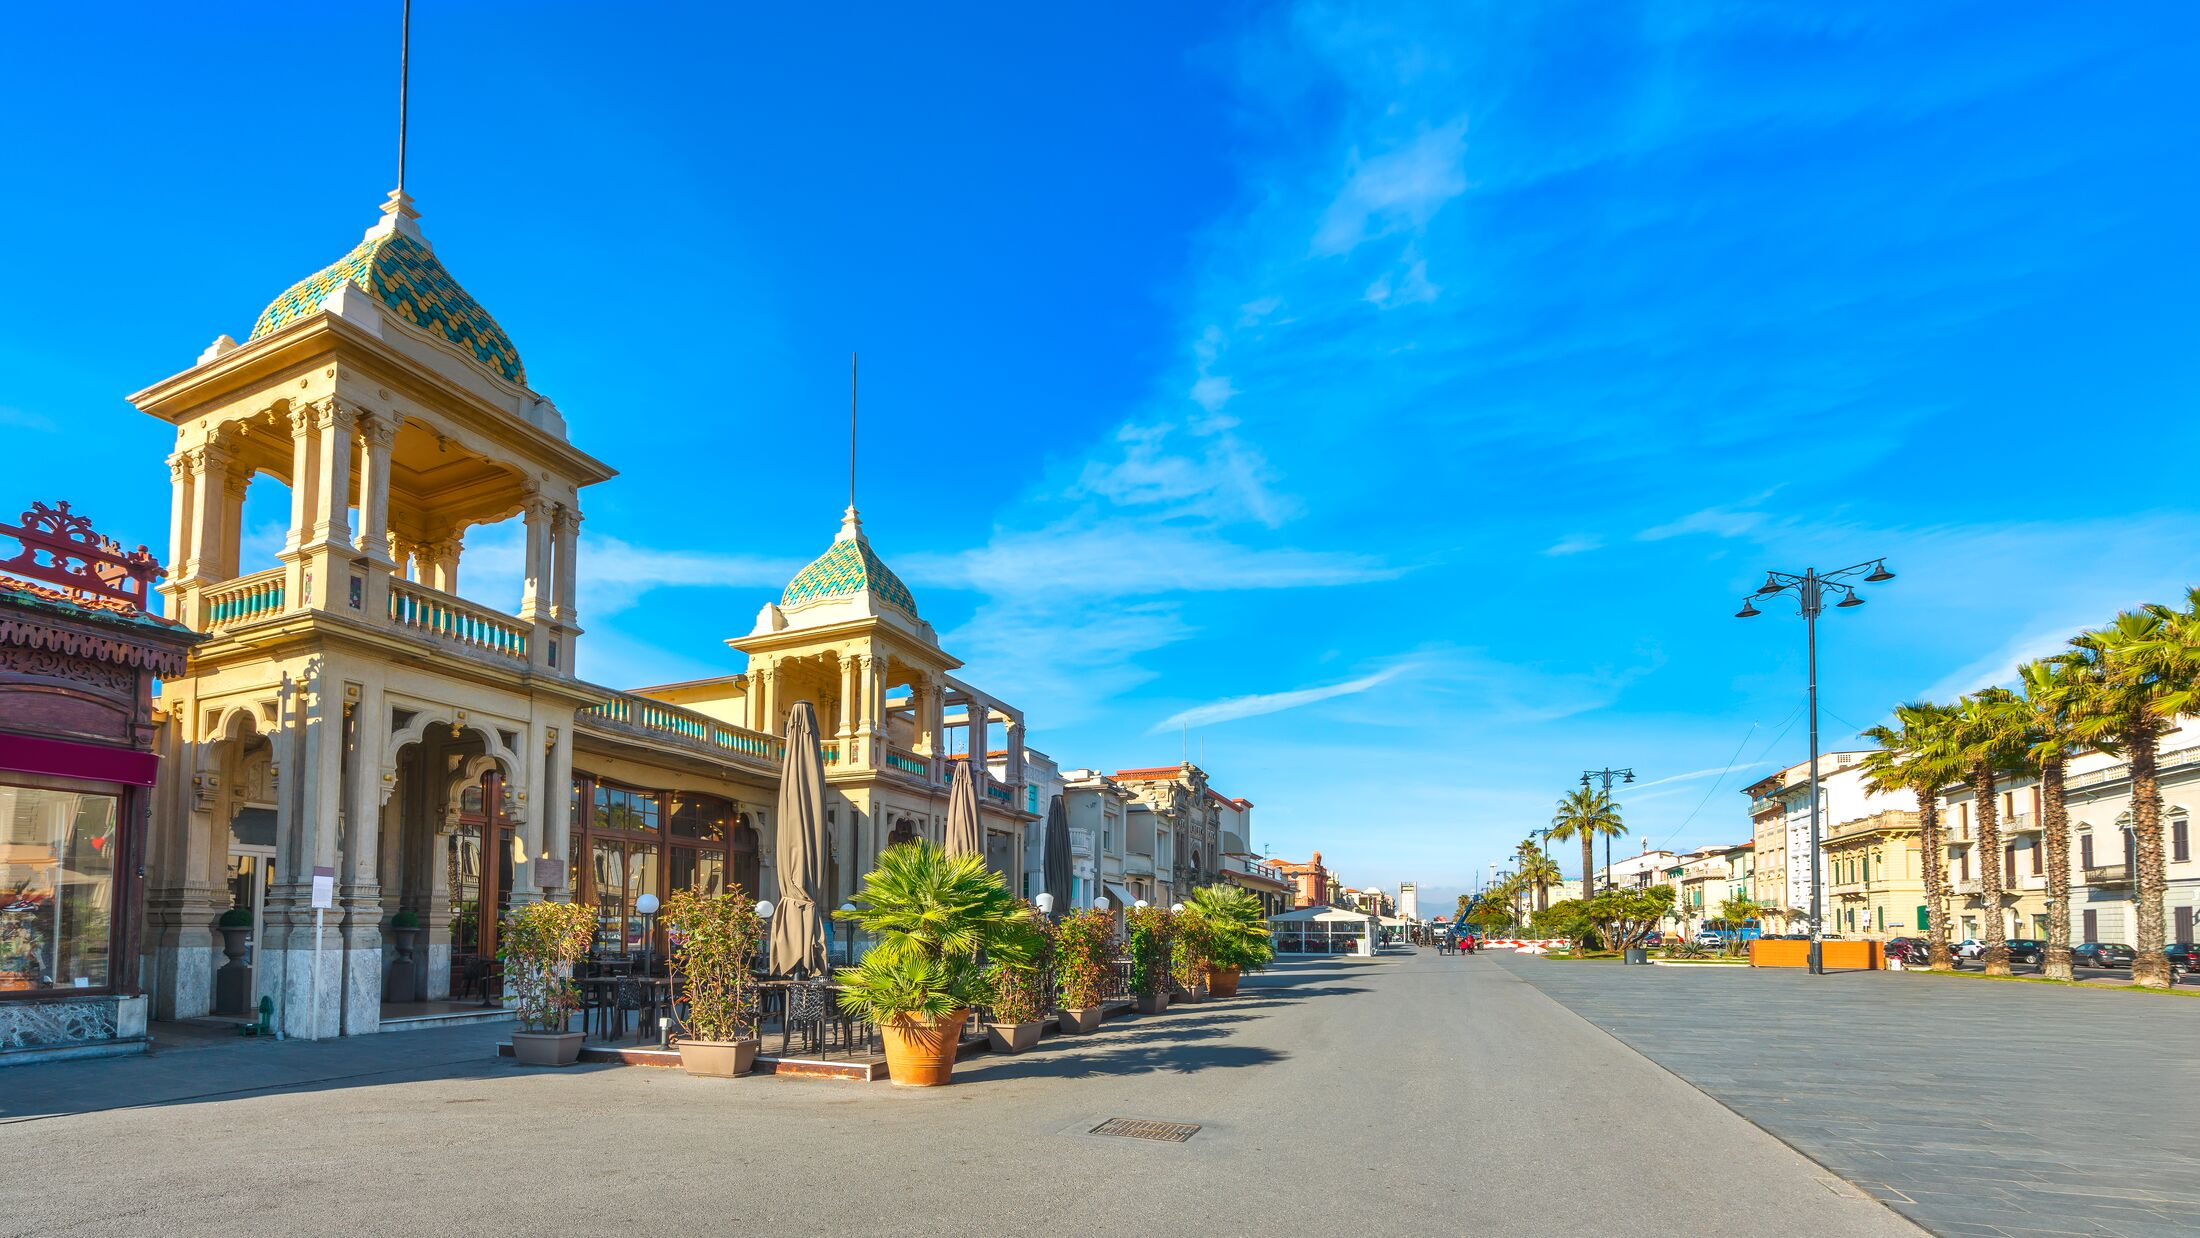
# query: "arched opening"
904,831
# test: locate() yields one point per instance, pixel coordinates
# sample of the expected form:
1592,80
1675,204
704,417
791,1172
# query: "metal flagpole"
404,80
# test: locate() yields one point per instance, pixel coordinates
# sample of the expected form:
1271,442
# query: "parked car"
1709,938
1968,948
2102,954
2026,950
2183,956
1653,939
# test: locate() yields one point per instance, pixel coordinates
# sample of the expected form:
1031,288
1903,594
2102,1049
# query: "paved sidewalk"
186,1065
1972,1107
1360,1096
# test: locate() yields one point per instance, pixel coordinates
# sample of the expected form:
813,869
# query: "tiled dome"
403,274
848,568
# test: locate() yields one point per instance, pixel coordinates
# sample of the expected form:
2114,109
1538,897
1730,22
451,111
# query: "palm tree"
1538,871
1916,755
1990,741
2050,691
1587,815
2134,677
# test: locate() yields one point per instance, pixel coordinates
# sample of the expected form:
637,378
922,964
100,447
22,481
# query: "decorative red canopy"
60,547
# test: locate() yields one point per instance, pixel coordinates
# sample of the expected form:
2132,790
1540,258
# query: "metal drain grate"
1139,1128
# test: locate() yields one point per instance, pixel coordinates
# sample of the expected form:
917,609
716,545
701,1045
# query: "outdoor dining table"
601,994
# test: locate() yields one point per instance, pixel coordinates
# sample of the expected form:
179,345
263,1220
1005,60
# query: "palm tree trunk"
1996,954
2150,968
1588,861
1937,956
2055,820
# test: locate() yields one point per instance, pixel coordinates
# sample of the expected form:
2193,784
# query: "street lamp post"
1607,775
1809,590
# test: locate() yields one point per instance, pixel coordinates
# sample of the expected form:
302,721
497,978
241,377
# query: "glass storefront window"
702,870
620,809
623,873
700,817
465,887
57,888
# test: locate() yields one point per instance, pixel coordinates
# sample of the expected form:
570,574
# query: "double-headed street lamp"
1810,590
1624,775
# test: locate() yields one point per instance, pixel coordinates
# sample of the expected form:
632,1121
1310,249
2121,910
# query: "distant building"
1313,881
1409,900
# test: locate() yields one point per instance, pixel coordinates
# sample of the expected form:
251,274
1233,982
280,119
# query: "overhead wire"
1714,788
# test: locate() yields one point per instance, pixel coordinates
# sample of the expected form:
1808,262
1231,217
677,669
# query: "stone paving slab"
1969,1107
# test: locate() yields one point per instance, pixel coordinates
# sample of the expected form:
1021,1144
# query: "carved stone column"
377,434
332,476
301,480
209,466
566,528
179,523
231,546
534,604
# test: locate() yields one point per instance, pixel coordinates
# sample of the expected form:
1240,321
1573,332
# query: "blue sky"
1393,399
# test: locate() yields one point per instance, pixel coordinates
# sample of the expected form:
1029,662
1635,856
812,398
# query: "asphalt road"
1996,1109
1410,1094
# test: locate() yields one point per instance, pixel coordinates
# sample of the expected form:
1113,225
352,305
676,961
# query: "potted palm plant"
1236,932
714,938
931,915
1150,932
539,943
1081,943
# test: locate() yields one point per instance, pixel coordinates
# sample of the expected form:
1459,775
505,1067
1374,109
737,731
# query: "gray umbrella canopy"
798,924
964,835
1054,860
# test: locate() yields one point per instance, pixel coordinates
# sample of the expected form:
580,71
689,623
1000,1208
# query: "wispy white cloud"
2000,668
615,574
1257,704
1716,521
1579,543
1127,557
1399,189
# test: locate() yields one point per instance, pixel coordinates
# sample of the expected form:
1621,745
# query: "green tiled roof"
404,275
848,568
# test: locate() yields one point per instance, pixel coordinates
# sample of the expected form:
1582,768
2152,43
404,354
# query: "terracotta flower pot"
1222,981
1078,1022
920,1053
546,1048
718,1059
1014,1037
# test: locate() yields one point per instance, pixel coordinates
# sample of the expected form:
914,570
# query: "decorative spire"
851,527
397,216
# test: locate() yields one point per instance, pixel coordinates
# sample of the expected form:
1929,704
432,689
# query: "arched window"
904,831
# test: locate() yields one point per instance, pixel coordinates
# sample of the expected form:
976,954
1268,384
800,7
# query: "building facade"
354,726
1875,877
79,653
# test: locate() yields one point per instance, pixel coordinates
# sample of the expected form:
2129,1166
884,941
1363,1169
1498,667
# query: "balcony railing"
657,720
830,753
2120,770
908,763
2021,823
2108,875
247,598
1000,793
457,620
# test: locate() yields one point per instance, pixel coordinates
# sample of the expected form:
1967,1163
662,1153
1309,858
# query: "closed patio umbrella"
798,924
1054,859
964,835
